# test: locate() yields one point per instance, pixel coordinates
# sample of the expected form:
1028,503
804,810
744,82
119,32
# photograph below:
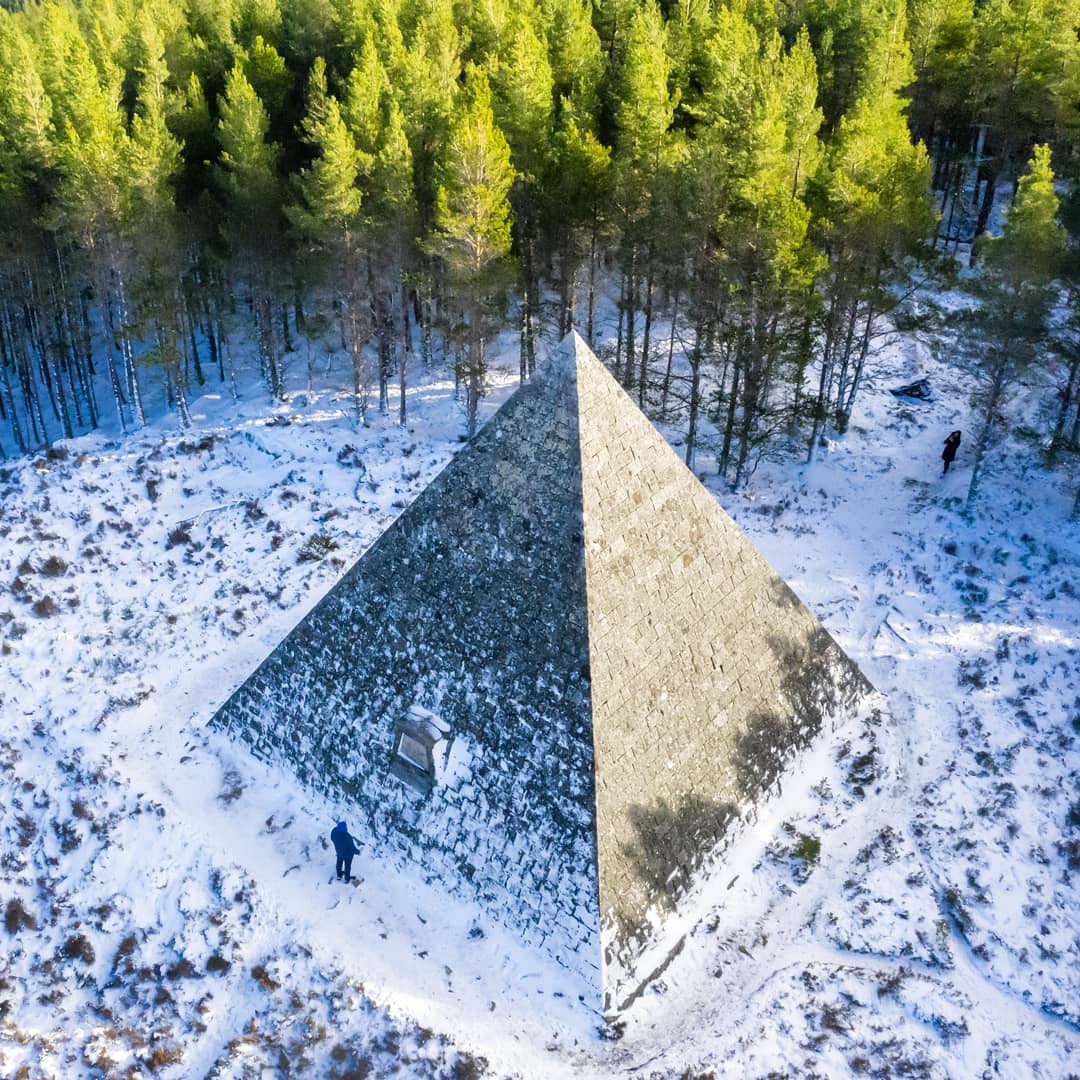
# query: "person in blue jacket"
346,848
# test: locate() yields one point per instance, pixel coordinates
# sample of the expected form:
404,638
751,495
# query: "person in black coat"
345,847
952,444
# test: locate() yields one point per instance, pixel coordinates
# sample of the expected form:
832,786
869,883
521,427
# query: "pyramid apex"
575,344
566,359
563,362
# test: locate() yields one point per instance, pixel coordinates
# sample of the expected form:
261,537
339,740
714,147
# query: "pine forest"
757,193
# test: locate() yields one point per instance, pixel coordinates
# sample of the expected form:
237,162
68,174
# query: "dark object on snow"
952,444
920,391
345,847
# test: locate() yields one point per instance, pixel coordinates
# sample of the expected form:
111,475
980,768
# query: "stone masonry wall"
472,605
707,671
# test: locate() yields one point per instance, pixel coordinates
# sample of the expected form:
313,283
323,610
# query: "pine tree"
1065,436
1015,292
473,222
577,62
366,95
328,212
769,265
91,197
253,19
874,216
26,153
394,221
248,179
365,89
264,67
576,192
644,112
151,222
724,91
942,37
307,31
327,217
431,69
1026,55
522,87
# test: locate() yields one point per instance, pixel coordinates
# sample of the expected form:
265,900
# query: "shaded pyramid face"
556,680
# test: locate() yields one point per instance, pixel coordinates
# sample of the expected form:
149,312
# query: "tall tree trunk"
13,414
846,351
196,360
983,441
619,328
523,355
670,356
592,280
802,362
33,399
65,343
476,369
643,380
356,355
287,345
85,335
987,202
732,409
226,344
563,301
61,397
130,372
7,363
532,301
695,359
386,353
860,365
1069,395
403,358
215,352
571,314
105,302
181,403
631,311
264,324
821,406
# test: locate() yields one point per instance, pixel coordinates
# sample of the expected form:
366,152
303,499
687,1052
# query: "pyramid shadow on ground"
556,681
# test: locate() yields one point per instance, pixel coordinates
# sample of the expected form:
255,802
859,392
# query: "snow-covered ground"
907,907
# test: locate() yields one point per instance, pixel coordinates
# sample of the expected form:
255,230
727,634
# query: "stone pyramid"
556,681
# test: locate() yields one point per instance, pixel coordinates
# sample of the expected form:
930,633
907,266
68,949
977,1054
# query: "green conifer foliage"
473,221
365,89
577,63
577,191
151,224
743,172
643,160
248,179
872,195
1015,295
430,72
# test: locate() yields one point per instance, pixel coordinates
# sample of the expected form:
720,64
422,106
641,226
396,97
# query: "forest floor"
907,907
